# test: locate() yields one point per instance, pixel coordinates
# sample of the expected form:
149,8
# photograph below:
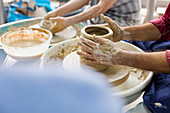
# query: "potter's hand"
99,51
60,23
117,31
50,14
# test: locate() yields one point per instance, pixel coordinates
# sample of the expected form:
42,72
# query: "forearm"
92,12
85,15
155,61
145,32
70,6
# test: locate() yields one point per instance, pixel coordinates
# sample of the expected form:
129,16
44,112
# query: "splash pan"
135,82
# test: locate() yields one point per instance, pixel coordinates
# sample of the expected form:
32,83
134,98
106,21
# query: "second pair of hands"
61,22
99,51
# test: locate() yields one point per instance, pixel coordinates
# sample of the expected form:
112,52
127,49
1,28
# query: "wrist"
125,34
70,20
120,58
55,13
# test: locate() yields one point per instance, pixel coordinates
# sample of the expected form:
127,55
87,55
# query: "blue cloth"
44,3
152,45
13,15
158,91
59,91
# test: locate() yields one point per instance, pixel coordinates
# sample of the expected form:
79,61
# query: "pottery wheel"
68,33
114,73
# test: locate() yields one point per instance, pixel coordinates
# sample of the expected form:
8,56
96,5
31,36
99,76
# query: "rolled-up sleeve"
163,25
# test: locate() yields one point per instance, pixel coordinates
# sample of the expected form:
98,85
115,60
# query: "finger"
98,40
90,61
85,55
50,15
53,19
105,24
112,24
46,17
56,28
107,19
102,59
90,43
85,47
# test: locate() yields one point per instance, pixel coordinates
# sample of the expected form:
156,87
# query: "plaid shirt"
123,12
163,25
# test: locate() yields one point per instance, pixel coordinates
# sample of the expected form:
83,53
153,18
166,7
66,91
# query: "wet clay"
24,43
46,24
99,31
96,31
116,74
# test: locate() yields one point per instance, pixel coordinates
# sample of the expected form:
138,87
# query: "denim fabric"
157,93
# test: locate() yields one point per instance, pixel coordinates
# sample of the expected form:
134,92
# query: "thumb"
113,25
46,17
105,24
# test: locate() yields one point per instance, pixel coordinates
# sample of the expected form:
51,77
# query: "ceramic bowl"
100,31
26,53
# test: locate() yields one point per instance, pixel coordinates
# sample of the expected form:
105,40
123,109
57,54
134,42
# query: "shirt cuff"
162,27
160,23
168,55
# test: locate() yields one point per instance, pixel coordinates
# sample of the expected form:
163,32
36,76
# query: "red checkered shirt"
163,25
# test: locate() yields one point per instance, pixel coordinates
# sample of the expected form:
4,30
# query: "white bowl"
129,89
25,53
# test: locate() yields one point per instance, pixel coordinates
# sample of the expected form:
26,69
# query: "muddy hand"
117,31
60,23
99,51
50,14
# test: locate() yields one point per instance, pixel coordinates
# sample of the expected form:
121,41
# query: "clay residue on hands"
46,24
118,32
109,49
105,52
